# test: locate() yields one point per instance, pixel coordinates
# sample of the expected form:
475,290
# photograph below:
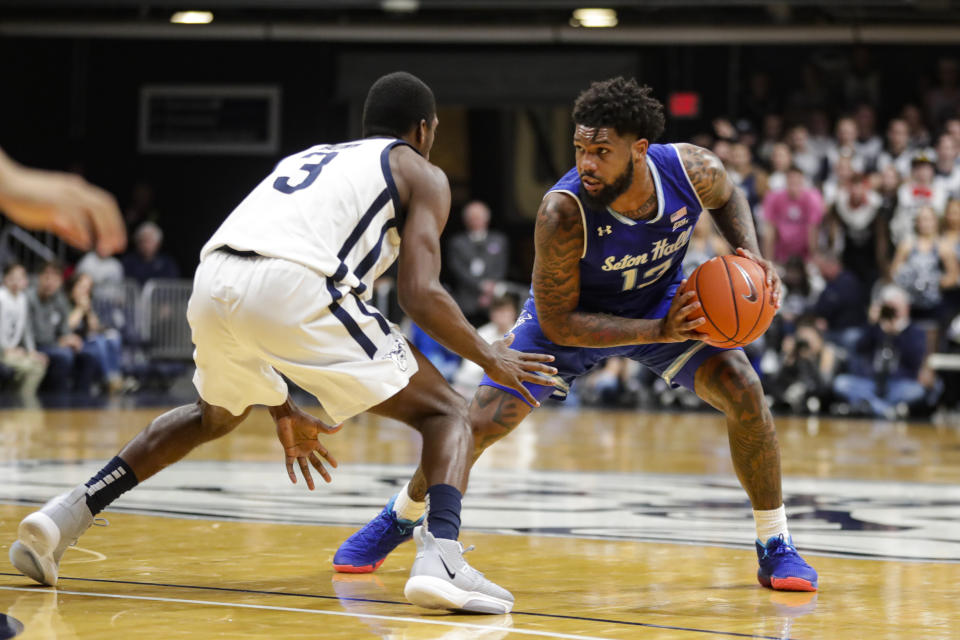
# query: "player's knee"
216,422
733,384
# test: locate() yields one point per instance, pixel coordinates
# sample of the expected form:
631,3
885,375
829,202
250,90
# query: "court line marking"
317,596
346,614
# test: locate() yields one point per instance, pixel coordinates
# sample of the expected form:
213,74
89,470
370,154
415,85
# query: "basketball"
734,299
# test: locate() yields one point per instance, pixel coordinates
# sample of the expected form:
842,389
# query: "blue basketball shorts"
675,362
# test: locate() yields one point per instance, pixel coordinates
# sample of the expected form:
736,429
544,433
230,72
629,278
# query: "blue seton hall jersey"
631,268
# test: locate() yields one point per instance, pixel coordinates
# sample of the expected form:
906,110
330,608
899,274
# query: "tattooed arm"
729,208
556,290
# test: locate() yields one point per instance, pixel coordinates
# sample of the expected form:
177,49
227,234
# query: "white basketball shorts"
254,317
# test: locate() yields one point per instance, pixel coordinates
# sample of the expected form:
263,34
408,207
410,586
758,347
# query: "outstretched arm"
729,208
85,216
426,192
556,289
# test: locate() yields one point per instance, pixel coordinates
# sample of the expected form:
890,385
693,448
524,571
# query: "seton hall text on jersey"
661,249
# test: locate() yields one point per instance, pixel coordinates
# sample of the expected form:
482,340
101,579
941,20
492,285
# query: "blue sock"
443,511
115,479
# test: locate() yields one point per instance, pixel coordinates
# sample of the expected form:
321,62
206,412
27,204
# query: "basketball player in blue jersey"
610,239
283,286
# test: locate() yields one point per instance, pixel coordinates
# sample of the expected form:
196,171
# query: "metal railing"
163,319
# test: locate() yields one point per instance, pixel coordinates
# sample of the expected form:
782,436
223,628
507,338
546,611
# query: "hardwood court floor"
603,524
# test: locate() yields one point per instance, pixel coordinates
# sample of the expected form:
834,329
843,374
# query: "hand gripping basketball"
683,318
738,298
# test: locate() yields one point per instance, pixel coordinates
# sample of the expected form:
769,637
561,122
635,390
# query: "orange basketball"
734,299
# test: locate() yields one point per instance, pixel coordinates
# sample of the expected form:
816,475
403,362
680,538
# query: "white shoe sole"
434,593
32,553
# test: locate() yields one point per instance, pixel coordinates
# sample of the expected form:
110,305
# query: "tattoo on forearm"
726,202
735,221
556,285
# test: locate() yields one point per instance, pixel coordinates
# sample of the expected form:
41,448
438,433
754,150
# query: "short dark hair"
395,104
622,104
51,265
10,266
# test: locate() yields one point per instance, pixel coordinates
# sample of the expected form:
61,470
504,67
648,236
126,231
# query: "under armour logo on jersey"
602,231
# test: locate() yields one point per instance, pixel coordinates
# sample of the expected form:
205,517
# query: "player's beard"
610,192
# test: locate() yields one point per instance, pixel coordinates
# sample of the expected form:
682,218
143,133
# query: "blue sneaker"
365,550
782,568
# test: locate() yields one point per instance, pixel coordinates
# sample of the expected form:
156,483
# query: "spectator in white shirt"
948,165
804,156
781,159
17,348
845,144
919,191
898,151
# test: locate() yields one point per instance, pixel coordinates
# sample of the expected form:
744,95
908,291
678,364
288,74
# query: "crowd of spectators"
63,328
864,228
865,231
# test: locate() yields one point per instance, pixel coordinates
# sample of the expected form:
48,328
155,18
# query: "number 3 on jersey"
650,276
313,170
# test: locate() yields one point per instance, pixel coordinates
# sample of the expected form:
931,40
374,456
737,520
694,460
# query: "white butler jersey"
331,208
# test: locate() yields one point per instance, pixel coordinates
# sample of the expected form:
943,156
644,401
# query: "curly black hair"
622,104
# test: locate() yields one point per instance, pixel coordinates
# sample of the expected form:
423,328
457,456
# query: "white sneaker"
44,535
442,579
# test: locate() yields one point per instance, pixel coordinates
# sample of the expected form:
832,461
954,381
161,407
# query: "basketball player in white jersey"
282,287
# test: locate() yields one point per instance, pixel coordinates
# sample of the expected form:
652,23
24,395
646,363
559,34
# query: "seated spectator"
799,294
804,155
791,219
952,126
898,152
853,218
919,134
16,335
845,144
146,262
105,272
948,166
841,178
886,367
869,145
780,161
819,132
102,344
49,310
923,267
503,314
803,382
842,303
920,190
748,176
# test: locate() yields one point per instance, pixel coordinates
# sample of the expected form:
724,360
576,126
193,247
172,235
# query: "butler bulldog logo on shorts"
398,354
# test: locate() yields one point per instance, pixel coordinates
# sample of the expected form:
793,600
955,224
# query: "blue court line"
555,616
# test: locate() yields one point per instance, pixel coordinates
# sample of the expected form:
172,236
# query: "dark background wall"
73,104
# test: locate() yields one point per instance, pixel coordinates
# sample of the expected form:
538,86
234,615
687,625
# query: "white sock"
407,509
771,523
